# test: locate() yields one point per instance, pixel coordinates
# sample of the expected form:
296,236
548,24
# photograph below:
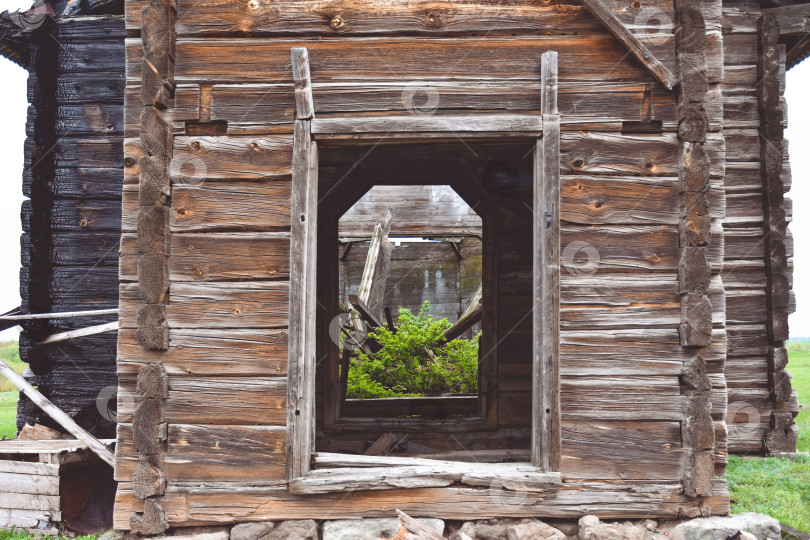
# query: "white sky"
12,135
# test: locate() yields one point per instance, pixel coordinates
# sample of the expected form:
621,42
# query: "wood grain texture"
256,304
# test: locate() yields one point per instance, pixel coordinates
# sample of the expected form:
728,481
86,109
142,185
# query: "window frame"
364,472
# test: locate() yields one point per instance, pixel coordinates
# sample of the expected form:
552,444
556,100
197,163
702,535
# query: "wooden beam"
304,106
792,20
57,414
301,350
81,332
523,124
546,432
390,320
520,477
365,312
631,43
475,302
373,259
464,323
63,315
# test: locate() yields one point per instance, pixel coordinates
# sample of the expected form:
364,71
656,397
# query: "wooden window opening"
341,472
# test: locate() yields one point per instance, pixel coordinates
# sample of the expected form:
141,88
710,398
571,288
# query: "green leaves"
416,361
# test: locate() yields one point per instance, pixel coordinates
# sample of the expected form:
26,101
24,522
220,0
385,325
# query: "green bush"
415,361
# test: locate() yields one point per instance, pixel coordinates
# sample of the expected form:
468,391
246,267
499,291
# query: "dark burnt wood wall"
73,175
621,359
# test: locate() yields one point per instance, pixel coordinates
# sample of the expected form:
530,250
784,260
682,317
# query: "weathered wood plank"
197,159
255,304
199,453
258,61
29,483
219,400
605,499
374,125
233,352
218,257
306,18
513,477
28,468
636,47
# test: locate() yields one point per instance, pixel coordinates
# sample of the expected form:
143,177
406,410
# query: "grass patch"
20,534
10,353
779,487
8,414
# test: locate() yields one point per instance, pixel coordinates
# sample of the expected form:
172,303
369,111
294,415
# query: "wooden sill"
432,407
361,473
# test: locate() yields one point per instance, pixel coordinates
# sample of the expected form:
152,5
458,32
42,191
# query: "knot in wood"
337,22
253,5
578,163
635,4
433,20
129,162
83,222
198,272
196,145
237,312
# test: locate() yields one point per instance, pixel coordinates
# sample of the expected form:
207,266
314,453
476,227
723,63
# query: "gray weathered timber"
54,412
373,126
512,476
301,356
633,43
304,107
546,280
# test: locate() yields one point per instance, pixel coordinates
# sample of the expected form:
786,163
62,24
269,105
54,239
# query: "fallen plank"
57,414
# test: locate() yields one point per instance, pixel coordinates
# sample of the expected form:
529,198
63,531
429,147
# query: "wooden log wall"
73,176
418,272
750,353
228,263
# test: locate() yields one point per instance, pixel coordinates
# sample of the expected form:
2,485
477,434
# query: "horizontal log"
513,477
91,56
256,106
241,352
374,126
637,155
79,216
217,257
616,500
299,17
90,28
84,183
45,503
197,159
28,468
259,61
29,519
19,483
88,120
201,452
256,304
78,152
220,206
218,400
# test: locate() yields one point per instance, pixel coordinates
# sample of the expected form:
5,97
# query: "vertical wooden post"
303,272
546,323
